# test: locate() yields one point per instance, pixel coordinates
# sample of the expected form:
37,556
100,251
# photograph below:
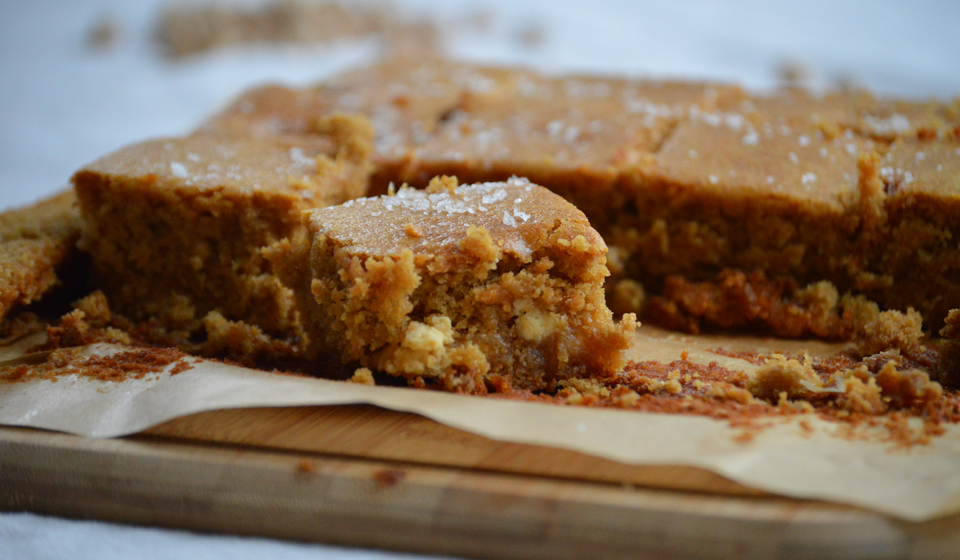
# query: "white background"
63,104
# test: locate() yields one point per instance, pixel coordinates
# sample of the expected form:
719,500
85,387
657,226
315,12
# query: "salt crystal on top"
178,170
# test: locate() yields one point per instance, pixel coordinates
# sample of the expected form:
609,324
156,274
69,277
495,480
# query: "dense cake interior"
175,226
458,286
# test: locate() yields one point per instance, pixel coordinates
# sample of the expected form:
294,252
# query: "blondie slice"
35,241
175,226
457,286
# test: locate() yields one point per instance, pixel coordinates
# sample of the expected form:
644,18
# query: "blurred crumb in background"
793,72
187,29
104,33
845,81
532,34
480,21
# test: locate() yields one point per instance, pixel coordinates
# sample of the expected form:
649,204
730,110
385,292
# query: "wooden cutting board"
363,476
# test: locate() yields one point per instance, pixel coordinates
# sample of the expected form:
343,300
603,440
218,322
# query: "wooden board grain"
375,433
430,509
363,476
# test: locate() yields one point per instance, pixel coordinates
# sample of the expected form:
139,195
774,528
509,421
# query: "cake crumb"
892,330
306,468
412,230
782,376
362,376
388,478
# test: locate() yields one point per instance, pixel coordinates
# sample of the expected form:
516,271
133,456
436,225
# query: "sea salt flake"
297,155
711,119
713,179
515,181
692,153
508,219
521,214
808,178
497,196
804,140
751,138
734,121
920,156
895,123
793,158
178,170
194,158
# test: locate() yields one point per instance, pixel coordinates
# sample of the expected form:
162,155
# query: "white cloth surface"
63,105
37,537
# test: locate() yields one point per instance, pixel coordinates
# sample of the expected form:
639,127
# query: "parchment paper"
915,484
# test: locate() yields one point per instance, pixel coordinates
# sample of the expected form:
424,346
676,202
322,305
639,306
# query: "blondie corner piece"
175,226
34,241
457,286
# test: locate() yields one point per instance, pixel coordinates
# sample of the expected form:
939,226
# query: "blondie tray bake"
457,286
686,182
175,226
271,237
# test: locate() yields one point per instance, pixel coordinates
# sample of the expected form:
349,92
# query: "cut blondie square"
457,287
34,242
175,226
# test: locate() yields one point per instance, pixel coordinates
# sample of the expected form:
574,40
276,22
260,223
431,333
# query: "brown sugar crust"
34,241
454,285
175,226
679,178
